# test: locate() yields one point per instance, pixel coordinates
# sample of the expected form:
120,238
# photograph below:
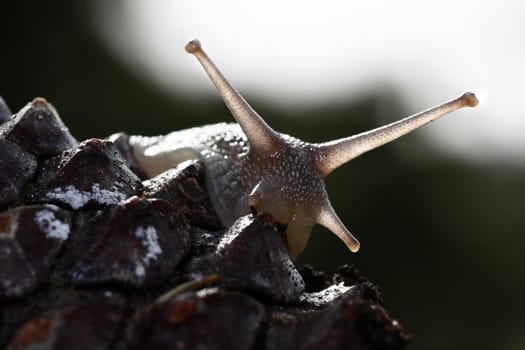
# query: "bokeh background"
440,214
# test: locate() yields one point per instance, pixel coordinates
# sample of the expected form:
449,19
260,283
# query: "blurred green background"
442,237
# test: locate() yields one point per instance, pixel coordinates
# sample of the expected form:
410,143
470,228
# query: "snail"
250,166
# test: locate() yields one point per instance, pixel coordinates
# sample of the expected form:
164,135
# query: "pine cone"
95,256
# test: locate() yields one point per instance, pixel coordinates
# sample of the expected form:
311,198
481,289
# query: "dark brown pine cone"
95,256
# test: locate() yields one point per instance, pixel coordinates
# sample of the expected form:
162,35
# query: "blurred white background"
302,53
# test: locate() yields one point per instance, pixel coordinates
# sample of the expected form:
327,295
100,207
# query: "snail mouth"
269,198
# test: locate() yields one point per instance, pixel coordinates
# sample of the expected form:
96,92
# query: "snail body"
220,147
232,172
249,165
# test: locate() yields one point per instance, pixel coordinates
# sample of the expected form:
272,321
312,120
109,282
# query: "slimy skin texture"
249,165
